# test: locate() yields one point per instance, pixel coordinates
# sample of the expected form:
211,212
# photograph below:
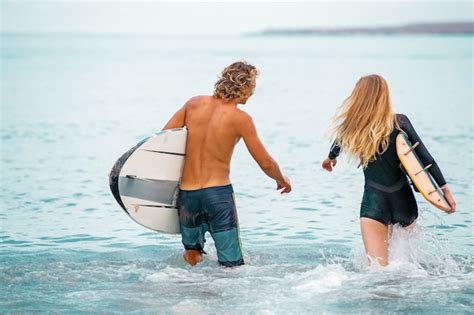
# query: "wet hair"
236,81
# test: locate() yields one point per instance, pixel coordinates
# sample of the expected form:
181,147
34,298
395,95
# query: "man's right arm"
256,148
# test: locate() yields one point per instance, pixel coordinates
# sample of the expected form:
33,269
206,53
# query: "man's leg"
229,249
192,256
191,226
193,241
223,225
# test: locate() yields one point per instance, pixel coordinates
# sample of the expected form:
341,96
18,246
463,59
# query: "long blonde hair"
365,120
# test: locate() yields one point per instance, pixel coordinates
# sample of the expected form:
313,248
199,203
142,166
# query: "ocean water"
72,104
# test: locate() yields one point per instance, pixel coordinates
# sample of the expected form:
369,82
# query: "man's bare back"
214,128
211,140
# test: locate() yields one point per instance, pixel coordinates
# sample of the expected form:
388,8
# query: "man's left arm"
178,120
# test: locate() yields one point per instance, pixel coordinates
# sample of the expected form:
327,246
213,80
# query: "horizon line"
268,30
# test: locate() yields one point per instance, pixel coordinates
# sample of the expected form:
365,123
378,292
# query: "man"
206,200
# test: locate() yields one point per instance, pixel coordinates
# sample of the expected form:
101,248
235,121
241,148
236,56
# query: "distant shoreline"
446,28
453,28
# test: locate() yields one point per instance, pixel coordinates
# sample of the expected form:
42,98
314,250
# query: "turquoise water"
72,104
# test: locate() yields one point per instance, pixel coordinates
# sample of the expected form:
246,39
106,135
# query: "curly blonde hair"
236,81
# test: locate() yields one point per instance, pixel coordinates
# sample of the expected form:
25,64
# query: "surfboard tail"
145,180
115,172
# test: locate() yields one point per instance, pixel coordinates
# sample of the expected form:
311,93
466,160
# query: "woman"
365,129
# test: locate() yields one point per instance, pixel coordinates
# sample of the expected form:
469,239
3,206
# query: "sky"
218,17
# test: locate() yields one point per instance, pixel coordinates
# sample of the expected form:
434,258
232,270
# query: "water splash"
421,249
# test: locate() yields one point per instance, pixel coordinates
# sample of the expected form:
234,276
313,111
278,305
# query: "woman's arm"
331,160
426,158
421,150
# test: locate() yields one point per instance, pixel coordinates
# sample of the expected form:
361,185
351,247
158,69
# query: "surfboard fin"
412,148
436,190
424,169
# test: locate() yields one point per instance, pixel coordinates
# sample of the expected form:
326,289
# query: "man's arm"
178,120
256,148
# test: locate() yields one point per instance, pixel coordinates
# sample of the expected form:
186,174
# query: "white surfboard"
145,180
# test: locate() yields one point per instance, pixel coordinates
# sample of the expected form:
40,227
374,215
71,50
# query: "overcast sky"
218,17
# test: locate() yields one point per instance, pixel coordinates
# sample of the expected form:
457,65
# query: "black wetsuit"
388,198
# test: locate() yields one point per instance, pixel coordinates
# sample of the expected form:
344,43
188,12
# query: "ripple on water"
327,202
305,209
75,238
49,199
9,241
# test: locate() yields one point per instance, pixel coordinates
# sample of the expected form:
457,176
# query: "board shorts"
389,206
211,210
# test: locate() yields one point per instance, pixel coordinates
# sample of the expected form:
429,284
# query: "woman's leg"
375,237
411,226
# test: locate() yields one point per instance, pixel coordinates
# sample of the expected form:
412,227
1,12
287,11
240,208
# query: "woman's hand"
449,198
328,164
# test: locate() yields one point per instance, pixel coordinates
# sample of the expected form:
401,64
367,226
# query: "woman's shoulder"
402,119
401,116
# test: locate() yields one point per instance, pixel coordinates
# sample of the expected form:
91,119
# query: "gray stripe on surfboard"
152,190
163,152
154,206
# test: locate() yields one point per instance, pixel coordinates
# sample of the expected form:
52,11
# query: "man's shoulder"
199,99
243,119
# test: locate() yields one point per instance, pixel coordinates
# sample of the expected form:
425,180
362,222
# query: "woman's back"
385,174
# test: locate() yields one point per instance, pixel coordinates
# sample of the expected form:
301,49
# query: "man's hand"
284,185
449,198
328,164
248,132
